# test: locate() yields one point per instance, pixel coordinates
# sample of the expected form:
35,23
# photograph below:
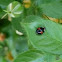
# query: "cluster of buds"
27,3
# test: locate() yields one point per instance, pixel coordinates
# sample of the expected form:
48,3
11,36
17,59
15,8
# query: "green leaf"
21,41
29,56
50,40
60,60
52,10
5,2
39,2
49,57
2,59
16,24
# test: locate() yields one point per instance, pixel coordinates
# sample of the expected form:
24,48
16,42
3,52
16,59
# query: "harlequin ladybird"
40,30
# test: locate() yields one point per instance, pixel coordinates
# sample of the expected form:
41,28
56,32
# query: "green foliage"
59,60
50,41
4,23
29,56
52,10
19,41
5,2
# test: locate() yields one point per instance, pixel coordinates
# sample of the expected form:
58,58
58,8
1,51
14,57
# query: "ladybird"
40,30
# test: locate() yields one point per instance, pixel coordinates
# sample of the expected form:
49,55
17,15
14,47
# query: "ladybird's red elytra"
40,30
